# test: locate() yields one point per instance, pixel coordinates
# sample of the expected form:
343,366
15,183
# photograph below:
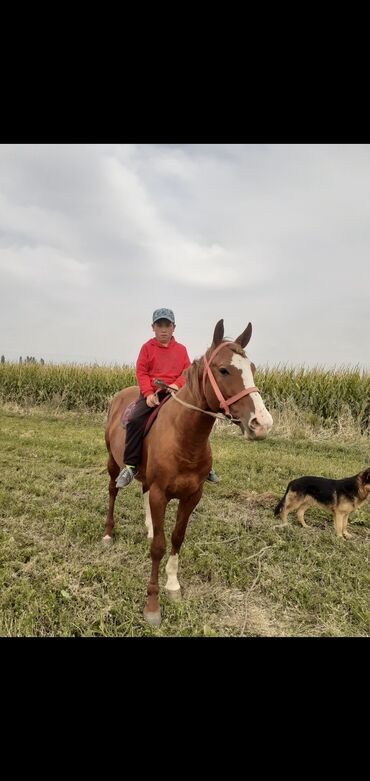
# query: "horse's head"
228,383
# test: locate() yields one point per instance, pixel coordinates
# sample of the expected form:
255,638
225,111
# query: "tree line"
28,359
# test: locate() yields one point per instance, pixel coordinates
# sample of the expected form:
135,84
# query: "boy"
160,358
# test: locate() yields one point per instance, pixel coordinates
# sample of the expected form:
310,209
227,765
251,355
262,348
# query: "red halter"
224,404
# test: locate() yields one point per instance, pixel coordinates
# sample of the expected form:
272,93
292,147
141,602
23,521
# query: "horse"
176,456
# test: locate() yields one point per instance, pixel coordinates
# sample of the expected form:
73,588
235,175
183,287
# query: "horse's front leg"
148,515
185,508
158,504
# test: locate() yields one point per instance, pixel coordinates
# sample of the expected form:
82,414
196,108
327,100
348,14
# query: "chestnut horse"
176,456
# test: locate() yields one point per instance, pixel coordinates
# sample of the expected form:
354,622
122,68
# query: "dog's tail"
281,503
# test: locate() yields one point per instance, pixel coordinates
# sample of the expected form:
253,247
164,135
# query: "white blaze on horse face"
171,569
148,515
261,413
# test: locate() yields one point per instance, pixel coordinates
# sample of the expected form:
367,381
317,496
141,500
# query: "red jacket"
157,362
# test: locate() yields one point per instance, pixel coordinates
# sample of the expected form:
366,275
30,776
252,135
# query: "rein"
173,393
224,403
219,415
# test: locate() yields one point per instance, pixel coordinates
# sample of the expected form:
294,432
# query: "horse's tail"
281,503
107,425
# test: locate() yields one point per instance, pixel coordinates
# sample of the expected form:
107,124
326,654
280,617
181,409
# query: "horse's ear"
218,333
244,338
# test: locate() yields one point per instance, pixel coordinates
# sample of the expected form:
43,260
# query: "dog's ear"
366,477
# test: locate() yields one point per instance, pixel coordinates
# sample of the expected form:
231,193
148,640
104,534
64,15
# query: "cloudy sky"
93,238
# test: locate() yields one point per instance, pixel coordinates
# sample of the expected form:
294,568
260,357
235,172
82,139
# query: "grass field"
240,575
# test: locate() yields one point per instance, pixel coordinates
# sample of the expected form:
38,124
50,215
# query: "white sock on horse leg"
171,569
148,515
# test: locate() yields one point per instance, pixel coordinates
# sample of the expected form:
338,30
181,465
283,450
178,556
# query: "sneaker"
212,477
126,476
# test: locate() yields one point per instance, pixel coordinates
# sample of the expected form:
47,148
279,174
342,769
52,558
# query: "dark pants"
135,431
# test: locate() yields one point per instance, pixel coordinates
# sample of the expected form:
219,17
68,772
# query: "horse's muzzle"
255,430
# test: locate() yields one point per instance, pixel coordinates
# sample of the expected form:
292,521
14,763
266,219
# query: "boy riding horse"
161,357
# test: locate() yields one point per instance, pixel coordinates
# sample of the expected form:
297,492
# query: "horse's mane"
193,376
194,372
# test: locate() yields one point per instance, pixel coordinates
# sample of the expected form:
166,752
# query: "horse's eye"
223,371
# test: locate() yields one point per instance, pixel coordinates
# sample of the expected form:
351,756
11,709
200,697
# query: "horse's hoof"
154,619
107,541
174,596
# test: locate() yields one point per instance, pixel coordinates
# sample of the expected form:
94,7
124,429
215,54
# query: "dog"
339,496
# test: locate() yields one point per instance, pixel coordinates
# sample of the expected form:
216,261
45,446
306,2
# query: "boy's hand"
152,400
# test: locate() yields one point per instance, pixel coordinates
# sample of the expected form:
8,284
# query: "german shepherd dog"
339,496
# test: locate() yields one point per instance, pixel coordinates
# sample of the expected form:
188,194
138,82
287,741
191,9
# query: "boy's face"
163,330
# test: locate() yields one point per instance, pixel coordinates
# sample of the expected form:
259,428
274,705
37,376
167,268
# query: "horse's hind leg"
113,470
185,508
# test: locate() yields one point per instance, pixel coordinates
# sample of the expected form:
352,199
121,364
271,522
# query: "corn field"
326,393
323,392
69,386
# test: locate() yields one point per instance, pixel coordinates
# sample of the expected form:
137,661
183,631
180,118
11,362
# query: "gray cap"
163,314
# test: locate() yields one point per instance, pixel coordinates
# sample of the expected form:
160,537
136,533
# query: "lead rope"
206,412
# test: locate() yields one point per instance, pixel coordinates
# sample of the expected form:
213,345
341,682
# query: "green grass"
239,573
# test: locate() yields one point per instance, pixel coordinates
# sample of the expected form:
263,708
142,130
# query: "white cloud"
43,267
94,237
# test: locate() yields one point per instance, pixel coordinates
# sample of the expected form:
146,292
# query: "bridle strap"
224,403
